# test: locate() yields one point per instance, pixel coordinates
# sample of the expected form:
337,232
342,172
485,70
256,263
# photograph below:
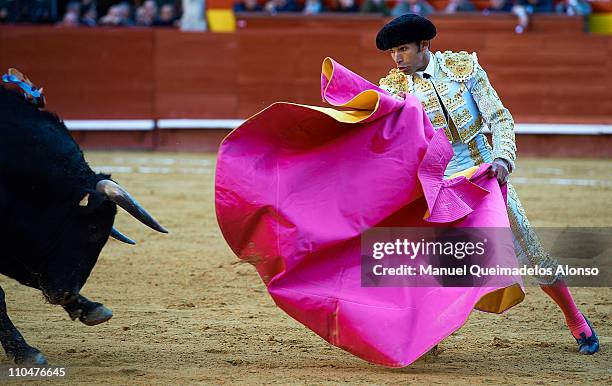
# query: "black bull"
56,214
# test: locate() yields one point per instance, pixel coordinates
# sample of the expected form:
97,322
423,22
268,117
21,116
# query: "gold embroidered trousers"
527,245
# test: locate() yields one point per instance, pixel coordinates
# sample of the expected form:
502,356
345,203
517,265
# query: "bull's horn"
115,234
121,197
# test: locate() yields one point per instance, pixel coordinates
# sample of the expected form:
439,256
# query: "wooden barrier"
86,73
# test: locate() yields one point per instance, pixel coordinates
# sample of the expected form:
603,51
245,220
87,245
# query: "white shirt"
430,66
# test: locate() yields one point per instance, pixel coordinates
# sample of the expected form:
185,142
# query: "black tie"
428,77
451,125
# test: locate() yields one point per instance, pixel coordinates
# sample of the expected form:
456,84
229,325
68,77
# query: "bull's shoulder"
459,66
395,82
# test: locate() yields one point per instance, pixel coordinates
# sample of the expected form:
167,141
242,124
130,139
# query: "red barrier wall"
86,73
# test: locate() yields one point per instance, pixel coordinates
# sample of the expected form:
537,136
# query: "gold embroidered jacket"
467,95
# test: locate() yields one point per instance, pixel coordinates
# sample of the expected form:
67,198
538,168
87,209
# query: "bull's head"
84,237
56,212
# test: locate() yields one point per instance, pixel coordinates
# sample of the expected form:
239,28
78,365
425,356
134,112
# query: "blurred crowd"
164,13
522,9
167,12
421,7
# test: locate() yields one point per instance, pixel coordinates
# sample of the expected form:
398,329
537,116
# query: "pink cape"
297,185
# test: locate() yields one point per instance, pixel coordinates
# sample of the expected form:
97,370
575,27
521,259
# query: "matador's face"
410,57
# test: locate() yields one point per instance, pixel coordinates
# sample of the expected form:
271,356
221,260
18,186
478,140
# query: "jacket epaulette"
395,82
458,66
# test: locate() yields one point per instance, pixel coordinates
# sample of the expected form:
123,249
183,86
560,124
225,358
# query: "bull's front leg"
88,312
13,342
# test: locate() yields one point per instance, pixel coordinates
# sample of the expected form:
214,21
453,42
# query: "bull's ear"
91,201
85,200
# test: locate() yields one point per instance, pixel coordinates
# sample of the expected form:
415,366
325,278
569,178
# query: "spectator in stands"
455,6
27,11
166,16
417,7
118,15
72,15
125,12
89,15
276,6
247,6
71,19
375,6
505,6
498,6
524,8
574,8
141,19
536,6
192,18
86,4
147,15
150,9
345,6
313,7
111,17
7,11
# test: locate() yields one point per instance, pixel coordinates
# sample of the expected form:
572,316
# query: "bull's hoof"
98,315
30,357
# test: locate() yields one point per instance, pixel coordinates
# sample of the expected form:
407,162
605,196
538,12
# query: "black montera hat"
405,29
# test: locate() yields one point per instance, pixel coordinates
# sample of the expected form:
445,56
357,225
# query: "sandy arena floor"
187,312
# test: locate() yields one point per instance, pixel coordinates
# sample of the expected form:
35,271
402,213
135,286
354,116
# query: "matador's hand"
400,95
499,169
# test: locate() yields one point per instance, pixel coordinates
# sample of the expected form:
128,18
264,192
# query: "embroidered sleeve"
395,83
495,115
